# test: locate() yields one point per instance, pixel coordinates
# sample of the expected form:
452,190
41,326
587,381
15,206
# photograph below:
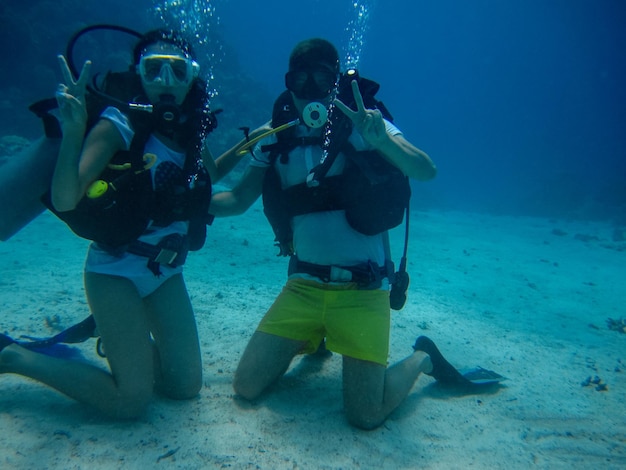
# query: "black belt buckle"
368,276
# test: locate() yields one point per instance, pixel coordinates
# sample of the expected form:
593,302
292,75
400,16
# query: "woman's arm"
80,164
241,197
80,160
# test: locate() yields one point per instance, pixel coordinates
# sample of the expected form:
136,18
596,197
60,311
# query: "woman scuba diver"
134,287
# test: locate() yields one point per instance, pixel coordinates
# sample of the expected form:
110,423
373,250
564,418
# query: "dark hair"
314,51
162,35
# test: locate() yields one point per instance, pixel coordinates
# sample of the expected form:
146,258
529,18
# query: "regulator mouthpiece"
315,115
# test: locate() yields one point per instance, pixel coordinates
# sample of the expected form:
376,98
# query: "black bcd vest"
373,193
123,212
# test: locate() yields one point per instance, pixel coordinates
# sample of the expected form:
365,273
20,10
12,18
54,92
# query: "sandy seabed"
526,297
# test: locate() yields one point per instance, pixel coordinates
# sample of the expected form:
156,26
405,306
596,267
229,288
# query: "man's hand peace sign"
368,122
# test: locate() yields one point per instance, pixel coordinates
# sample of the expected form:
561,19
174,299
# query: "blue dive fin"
57,345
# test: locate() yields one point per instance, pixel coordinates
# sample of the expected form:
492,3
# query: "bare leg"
265,359
120,315
178,371
372,392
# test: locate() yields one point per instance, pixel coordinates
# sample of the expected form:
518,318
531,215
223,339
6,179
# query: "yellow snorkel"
248,145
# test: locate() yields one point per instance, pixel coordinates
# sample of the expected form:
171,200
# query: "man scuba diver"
337,286
331,190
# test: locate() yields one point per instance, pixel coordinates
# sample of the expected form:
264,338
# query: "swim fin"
480,376
57,345
78,333
447,374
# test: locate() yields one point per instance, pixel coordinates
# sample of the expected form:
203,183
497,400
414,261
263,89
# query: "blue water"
521,104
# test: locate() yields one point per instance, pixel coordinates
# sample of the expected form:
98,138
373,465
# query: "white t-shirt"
102,262
324,238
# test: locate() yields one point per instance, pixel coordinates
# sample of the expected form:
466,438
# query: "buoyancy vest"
373,193
118,214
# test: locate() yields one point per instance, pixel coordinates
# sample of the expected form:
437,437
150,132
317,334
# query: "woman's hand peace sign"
71,96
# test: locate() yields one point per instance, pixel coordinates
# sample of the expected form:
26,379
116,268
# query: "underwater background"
517,250
521,104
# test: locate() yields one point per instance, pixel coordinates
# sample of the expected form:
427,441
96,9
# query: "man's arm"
412,161
400,152
223,164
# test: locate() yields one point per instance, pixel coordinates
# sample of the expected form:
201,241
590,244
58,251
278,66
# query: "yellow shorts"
354,322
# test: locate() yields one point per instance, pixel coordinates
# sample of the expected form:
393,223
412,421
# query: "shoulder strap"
341,128
283,111
142,130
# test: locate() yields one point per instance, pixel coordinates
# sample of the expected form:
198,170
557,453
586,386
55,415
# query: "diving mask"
311,84
168,69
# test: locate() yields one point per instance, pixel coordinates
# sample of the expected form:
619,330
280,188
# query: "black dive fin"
445,373
480,376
